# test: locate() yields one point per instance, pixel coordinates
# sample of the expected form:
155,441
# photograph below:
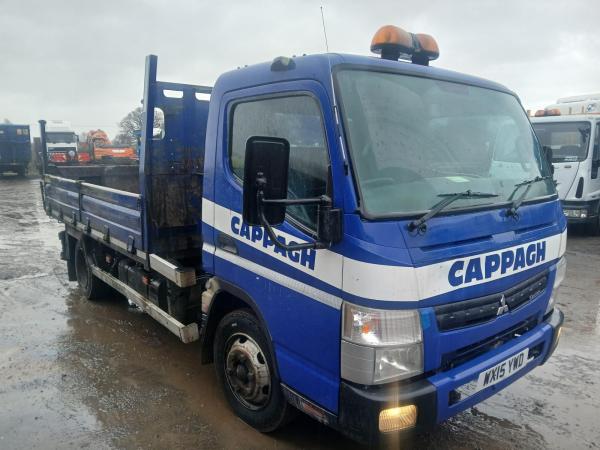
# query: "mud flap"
67,254
62,236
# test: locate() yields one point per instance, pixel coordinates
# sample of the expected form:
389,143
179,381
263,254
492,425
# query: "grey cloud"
83,60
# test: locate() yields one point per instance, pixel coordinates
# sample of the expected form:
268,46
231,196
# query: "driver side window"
297,119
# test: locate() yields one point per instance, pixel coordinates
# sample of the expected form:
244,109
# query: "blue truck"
370,240
15,148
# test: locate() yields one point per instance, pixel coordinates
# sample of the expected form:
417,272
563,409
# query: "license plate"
503,370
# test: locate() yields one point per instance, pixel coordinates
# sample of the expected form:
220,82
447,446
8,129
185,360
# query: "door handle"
227,243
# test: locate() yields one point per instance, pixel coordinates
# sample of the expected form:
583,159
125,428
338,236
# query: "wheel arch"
227,298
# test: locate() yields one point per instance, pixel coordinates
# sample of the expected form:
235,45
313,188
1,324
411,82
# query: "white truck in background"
570,130
61,142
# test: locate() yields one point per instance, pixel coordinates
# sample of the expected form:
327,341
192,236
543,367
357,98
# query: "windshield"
567,140
60,137
412,139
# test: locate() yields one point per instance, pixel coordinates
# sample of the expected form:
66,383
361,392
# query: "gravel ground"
100,375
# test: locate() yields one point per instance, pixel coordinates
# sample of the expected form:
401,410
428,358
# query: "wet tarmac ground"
80,374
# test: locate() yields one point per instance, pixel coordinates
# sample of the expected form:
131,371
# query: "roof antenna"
324,30
335,108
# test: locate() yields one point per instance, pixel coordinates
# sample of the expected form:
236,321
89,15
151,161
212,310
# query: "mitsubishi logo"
503,306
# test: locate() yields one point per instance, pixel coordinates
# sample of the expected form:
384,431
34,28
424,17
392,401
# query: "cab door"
296,292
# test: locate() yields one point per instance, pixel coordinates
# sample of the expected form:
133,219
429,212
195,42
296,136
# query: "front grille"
483,309
464,354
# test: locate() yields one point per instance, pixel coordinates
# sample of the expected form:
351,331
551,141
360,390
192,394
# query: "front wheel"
246,371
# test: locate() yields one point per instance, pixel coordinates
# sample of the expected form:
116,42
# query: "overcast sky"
83,61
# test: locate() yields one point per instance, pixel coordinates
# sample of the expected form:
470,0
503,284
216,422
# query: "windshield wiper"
420,224
516,203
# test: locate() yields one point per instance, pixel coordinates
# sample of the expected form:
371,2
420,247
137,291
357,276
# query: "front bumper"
573,211
437,398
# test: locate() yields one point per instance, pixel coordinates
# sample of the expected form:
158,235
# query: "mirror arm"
274,238
323,200
287,247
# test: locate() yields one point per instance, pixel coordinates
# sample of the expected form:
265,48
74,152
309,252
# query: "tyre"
593,228
246,371
92,287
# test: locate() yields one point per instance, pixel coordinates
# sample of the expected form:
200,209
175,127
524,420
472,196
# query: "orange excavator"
101,149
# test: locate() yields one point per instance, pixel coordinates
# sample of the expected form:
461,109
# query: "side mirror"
547,153
265,194
265,171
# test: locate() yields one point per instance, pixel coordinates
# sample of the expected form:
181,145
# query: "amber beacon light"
394,43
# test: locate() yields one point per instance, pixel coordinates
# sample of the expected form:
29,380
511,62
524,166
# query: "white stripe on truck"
388,282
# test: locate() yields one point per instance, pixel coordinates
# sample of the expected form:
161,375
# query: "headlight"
576,213
380,345
551,303
377,327
398,363
561,271
559,276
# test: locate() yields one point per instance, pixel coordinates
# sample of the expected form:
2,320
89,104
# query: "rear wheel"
245,369
92,287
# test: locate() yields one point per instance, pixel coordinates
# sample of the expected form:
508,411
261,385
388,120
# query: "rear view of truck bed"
137,228
158,209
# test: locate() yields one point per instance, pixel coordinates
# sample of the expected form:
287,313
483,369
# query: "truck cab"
61,142
410,315
15,148
371,240
571,134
